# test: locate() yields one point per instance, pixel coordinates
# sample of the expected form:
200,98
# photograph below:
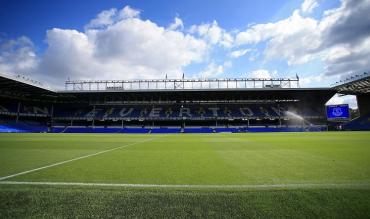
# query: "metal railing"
180,84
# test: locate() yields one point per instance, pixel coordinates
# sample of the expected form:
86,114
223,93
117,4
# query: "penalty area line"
74,159
190,186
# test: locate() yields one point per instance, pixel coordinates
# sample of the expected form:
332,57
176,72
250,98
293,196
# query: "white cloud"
70,53
213,33
143,43
309,81
347,24
255,34
128,12
177,24
17,56
341,39
104,18
309,5
285,38
348,99
115,45
120,44
213,70
345,59
263,73
108,17
239,53
346,38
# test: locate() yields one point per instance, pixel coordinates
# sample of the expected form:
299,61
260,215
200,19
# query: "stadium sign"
337,112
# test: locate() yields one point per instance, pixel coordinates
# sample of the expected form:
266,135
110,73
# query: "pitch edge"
256,187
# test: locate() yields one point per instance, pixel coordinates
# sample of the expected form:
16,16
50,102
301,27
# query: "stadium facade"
170,105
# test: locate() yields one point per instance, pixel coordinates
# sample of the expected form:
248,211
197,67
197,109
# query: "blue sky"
35,17
55,40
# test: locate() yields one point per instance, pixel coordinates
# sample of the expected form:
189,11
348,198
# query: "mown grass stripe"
74,159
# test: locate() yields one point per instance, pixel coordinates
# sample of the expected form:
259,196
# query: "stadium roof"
22,87
308,95
354,85
153,90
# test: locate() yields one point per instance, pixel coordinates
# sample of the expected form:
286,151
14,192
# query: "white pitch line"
74,159
189,186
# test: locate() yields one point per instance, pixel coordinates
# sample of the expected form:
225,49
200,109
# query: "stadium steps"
64,129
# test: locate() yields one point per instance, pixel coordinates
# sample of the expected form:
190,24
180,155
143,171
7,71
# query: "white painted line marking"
262,186
74,159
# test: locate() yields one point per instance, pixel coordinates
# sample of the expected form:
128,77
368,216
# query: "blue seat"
361,123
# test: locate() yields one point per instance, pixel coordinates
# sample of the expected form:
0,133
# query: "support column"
18,110
93,119
279,116
51,117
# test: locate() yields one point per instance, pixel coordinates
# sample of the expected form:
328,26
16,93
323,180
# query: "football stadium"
184,109
183,148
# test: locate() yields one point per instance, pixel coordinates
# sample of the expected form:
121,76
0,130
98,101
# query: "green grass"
48,202
326,160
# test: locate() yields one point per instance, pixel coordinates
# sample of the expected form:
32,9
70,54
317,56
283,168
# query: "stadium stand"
358,124
8,125
131,108
358,85
160,112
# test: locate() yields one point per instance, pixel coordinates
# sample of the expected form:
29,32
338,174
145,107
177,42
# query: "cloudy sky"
321,41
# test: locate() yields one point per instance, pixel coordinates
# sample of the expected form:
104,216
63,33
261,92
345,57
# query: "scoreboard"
338,112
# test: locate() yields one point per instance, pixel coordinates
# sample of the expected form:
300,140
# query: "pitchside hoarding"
337,112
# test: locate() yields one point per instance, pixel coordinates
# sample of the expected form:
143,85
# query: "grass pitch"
185,175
